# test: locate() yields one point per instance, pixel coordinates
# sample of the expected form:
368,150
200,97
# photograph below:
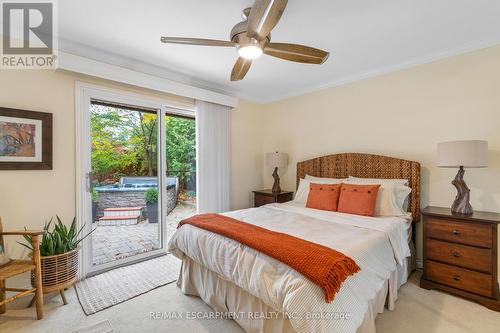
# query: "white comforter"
376,244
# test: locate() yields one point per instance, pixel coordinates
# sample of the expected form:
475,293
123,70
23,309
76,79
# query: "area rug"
119,285
101,327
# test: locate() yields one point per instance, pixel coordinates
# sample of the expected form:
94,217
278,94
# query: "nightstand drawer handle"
456,254
456,277
456,232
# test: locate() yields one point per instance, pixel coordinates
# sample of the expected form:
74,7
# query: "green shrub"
94,195
151,196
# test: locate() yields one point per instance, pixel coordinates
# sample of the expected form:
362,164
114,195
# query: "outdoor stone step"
123,211
119,220
117,209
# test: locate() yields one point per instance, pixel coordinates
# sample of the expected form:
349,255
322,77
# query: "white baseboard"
420,263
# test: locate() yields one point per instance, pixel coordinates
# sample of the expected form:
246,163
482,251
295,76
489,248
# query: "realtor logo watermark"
28,34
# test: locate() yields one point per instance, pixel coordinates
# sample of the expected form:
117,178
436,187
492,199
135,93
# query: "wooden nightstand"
265,197
461,254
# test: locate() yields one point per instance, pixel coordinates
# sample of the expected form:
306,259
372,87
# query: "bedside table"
265,197
461,254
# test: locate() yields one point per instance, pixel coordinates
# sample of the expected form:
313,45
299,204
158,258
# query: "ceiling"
365,38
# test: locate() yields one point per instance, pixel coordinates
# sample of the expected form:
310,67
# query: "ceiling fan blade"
196,41
240,69
264,16
296,52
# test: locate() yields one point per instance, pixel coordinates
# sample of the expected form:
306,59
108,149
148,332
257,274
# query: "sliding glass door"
136,175
124,184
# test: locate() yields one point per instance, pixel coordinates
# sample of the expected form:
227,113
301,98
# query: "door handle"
456,254
456,232
89,182
456,277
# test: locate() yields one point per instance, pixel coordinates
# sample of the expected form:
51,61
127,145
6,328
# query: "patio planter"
95,199
151,197
94,212
152,211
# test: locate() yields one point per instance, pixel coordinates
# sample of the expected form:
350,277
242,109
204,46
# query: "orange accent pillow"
323,196
358,199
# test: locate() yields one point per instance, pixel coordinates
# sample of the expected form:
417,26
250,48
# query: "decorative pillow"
358,199
303,189
390,198
323,196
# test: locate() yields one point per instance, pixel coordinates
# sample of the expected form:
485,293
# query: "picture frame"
25,140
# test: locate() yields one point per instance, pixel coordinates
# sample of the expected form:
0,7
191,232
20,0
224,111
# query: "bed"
264,295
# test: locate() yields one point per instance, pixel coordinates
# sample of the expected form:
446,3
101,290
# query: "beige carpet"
417,311
101,327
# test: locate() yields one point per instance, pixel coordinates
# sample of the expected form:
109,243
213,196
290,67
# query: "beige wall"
27,198
247,135
402,114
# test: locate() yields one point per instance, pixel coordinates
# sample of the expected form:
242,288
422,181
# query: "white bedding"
376,244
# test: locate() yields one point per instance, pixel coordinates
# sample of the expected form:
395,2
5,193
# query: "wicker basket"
59,271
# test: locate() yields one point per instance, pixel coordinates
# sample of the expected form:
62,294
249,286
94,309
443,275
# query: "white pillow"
322,180
404,182
390,197
303,189
380,180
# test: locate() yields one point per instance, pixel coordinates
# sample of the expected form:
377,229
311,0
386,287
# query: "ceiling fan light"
249,51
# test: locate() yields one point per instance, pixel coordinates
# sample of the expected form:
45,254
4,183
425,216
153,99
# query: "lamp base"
461,205
276,186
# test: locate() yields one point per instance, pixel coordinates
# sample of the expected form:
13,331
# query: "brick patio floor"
117,242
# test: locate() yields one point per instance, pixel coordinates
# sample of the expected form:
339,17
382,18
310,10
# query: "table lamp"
276,160
462,154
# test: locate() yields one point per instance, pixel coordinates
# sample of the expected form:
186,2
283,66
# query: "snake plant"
60,240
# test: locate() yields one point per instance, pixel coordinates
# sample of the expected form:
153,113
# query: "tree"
105,157
124,142
181,147
148,137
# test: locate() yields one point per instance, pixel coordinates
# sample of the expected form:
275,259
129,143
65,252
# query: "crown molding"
83,65
452,52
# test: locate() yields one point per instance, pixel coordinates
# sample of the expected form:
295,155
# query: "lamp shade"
276,160
467,153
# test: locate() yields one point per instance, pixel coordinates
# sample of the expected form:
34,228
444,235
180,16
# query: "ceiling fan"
252,38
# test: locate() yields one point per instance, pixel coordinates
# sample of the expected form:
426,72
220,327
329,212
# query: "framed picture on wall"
25,140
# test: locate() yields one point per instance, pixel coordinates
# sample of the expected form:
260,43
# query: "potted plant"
58,255
95,198
151,197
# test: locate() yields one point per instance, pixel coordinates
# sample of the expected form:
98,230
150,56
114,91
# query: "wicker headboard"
366,166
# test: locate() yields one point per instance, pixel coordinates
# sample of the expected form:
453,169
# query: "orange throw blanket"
325,267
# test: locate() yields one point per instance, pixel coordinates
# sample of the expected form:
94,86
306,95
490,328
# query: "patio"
117,242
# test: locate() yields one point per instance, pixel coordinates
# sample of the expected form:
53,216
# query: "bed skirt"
253,315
